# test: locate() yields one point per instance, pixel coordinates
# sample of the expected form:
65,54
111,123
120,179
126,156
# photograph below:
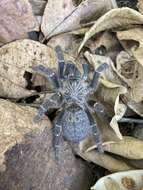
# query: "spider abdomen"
76,125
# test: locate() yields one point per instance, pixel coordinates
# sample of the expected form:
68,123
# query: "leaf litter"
112,35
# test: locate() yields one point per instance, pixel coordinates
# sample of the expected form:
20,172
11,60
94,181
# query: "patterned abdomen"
76,125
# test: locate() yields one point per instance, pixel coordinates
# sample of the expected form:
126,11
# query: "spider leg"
49,74
98,137
72,71
100,110
86,68
61,61
57,136
97,73
54,102
95,131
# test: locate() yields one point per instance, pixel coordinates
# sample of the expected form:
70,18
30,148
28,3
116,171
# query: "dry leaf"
109,92
107,133
125,67
119,18
137,107
105,161
106,40
136,91
136,35
121,181
57,11
87,149
140,6
109,95
119,109
111,73
129,147
16,121
111,184
16,20
26,153
16,59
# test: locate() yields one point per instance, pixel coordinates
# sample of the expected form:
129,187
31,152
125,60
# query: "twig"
130,120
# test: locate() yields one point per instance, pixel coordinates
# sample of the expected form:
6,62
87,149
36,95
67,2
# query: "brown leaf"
17,58
109,92
137,107
119,18
105,161
130,36
111,184
136,50
126,64
121,180
16,19
16,121
129,147
106,41
140,6
26,152
73,16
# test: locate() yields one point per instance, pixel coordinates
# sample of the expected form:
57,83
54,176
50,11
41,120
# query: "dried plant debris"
17,59
106,161
16,20
26,154
119,18
121,181
113,36
140,6
128,151
110,90
16,121
67,17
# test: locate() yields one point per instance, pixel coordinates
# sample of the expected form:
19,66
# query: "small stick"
130,120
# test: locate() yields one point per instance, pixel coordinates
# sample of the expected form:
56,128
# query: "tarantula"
74,121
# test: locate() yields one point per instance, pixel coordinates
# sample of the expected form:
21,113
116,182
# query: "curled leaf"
140,6
17,60
106,161
109,92
119,18
128,147
68,17
119,181
136,49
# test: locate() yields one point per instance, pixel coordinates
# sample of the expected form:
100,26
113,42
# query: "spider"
71,92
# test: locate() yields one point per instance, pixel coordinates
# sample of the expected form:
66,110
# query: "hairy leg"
95,131
57,139
72,71
61,61
86,68
97,136
97,73
49,74
53,102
